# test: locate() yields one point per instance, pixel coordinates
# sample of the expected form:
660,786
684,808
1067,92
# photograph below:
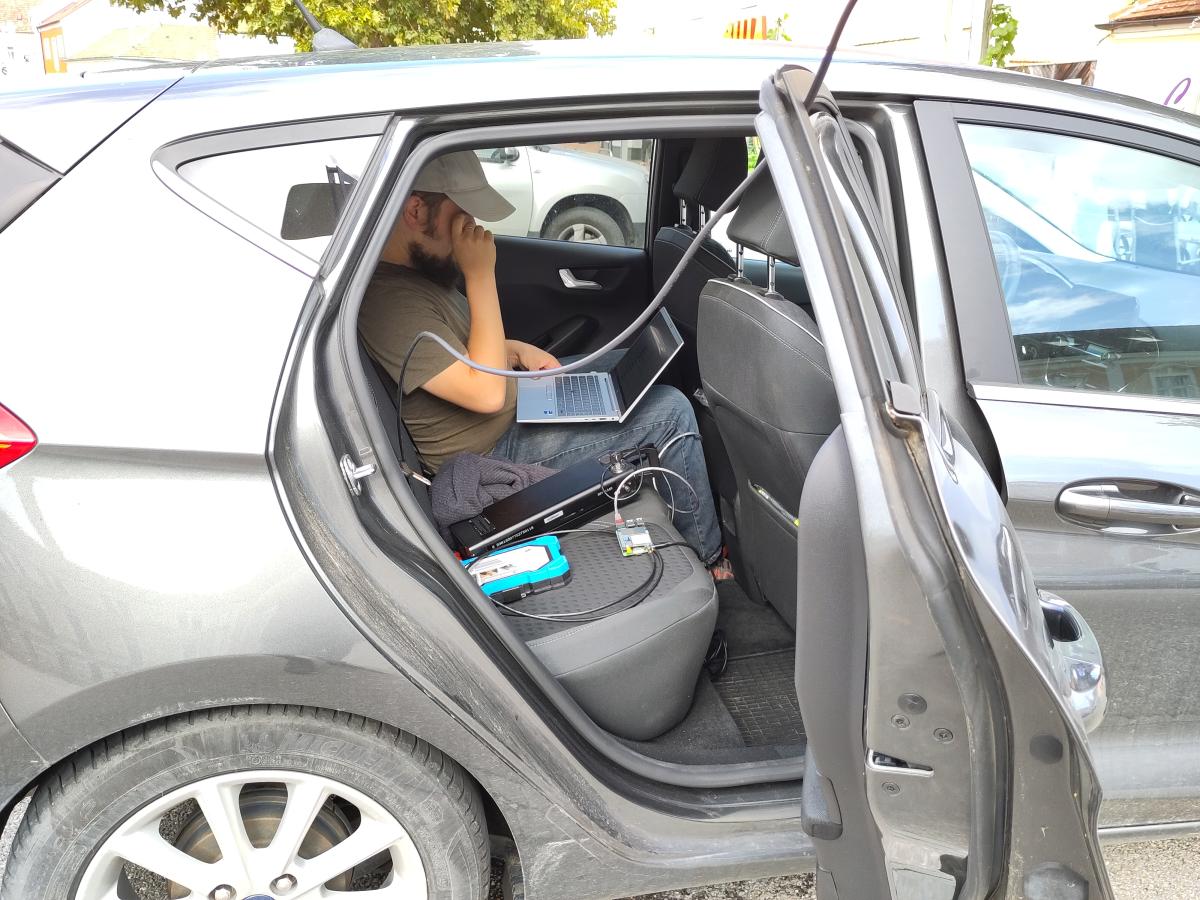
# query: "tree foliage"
778,32
386,23
1003,31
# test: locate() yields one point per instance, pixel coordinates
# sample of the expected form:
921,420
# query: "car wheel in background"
585,224
253,801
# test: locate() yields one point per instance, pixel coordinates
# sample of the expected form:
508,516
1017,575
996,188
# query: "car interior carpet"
750,626
759,691
750,712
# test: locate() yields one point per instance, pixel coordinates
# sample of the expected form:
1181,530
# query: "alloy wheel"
582,233
258,834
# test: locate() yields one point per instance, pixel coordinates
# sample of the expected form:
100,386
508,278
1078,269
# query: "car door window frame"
169,159
985,332
346,277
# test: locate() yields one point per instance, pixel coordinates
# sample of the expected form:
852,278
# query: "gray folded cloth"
467,482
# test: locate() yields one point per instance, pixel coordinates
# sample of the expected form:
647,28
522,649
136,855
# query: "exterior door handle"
1109,505
577,284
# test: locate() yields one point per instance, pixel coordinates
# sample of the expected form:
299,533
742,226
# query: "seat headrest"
759,222
713,169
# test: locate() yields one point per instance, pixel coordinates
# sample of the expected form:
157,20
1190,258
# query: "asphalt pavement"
1157,870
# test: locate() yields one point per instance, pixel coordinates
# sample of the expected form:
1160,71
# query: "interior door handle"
577,284
1107,504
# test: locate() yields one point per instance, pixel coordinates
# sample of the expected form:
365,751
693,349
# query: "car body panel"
194,384
1138,593
19,762
59,121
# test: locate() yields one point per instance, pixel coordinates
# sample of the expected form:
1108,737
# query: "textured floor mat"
760,694
750,627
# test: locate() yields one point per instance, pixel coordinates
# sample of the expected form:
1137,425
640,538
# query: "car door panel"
1136,585
610,286
1138,592
962,768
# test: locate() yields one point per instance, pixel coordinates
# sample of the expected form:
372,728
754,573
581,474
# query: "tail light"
16,438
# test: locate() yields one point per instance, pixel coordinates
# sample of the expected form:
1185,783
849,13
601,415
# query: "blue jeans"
663,413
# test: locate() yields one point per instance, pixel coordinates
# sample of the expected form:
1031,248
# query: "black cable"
759,653
645,589
819,77
672,544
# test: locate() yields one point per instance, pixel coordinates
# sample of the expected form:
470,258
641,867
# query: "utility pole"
981,31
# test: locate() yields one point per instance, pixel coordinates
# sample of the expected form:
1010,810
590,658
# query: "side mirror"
506,155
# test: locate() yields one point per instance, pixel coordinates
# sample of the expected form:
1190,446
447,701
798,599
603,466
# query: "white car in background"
569,194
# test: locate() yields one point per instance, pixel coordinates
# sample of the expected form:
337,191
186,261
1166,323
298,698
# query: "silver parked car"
569,193
239,660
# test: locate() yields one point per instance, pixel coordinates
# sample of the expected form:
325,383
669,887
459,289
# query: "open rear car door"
946,699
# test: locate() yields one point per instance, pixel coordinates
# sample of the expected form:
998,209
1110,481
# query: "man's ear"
415,212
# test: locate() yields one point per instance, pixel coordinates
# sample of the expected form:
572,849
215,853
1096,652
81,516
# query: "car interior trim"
677,774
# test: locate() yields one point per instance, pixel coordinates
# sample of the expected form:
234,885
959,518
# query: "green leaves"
1001,35
387,23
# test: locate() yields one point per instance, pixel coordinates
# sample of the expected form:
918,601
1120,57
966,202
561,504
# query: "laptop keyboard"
579,395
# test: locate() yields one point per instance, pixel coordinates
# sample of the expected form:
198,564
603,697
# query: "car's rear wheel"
585,224
253,802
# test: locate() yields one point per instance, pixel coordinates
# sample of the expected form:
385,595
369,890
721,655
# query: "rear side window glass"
1098,250
294,192
22,181
593,191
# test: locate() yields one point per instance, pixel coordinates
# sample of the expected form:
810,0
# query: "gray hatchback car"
240,661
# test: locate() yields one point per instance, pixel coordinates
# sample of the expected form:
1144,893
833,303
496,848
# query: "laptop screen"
645,358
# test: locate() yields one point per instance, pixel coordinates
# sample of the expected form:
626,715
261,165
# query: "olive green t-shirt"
399,305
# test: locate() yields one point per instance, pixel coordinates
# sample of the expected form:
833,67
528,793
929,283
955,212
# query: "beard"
443,271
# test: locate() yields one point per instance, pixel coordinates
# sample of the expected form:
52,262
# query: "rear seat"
635,670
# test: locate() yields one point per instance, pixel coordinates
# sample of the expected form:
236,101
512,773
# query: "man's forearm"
485,341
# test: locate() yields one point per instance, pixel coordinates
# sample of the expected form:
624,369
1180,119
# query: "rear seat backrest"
713,169
383,392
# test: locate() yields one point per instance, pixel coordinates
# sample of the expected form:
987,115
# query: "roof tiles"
16,12
1144,11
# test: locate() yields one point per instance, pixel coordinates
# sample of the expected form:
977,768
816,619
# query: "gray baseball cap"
460,177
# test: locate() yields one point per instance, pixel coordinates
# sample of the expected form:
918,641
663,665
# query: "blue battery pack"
516,572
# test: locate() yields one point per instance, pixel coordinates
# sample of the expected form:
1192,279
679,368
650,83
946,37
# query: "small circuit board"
634,538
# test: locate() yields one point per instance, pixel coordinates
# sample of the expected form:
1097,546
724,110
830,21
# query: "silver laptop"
602,396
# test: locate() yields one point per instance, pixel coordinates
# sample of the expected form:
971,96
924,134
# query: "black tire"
84,799
594,221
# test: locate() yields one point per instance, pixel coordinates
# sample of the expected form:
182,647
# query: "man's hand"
473,248
529,357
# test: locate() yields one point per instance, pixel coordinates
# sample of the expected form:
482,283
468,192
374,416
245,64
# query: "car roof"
593,70
229,94
58,120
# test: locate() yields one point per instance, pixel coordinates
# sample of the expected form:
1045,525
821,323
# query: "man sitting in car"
450,408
